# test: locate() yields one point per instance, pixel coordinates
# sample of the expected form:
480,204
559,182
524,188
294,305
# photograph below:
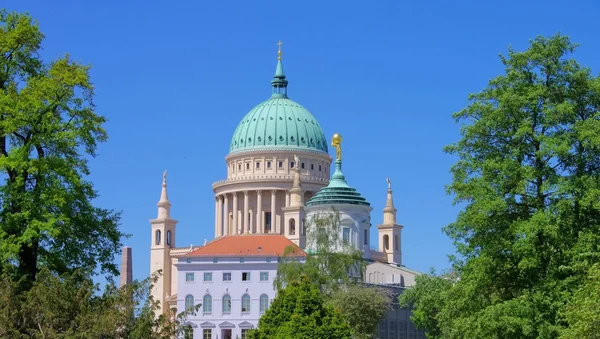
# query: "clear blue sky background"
175,78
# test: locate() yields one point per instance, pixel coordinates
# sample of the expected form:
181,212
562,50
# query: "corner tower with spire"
390,232
163,239
294,214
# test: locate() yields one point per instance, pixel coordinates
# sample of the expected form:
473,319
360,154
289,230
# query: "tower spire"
279,83
389,211
164,206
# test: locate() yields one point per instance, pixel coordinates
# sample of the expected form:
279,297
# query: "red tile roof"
251,245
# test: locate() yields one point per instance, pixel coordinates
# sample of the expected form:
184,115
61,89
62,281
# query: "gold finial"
279,50
336,141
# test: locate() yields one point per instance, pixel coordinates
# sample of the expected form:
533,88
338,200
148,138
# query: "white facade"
355,224
234,293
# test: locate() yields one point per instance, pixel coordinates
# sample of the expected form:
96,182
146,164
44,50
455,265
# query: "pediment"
245,324
226,324
207,324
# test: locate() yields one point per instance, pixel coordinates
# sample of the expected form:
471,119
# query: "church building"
277,178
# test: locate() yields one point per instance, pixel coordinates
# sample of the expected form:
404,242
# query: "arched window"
370,277
386,242
207,304
292,226
226,303
264,303
245,303
396,242
157,237
169,238
189,302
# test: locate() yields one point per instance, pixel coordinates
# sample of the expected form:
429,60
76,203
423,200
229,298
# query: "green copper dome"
278,123
337,192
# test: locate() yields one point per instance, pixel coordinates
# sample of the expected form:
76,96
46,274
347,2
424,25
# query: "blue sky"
175,79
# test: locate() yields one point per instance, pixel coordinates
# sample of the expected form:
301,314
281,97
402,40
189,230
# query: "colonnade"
251,216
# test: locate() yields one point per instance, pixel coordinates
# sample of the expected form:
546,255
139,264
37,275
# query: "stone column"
273,213
235,214
259,224
220,215
246,225
287,199
216,216
226,215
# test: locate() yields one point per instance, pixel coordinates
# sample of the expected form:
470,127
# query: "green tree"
48,129
71,306
299,312
427,298
583,311
336,268
528,175
331,263
362,307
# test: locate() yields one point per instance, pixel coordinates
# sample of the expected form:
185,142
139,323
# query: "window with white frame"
189,302
189,277
226,303
207,333
245,276
207,304
226,276
264,276
264,303
346,235
245,303
207,276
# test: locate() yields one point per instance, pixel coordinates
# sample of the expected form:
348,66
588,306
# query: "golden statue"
336,142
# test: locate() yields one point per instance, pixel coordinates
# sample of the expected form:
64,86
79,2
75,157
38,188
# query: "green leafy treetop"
336,269
330,263
299,312
48,128
70,306
528,175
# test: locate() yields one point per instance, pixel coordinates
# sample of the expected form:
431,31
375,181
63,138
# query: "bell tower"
163,239
390,233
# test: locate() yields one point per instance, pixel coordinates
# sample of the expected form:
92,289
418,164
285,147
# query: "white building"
277,178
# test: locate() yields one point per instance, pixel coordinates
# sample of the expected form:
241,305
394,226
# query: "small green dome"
278,123
337,192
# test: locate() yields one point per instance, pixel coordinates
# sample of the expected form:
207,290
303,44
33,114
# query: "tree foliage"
48,129
362,307
528,175
428,298
331,263
336,269
299,312
71,306
583,311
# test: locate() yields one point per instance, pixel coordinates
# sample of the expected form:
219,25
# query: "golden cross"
279,50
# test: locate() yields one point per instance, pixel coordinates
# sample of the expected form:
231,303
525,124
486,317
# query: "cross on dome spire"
279,83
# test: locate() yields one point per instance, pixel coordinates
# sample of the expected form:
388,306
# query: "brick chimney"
126,267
